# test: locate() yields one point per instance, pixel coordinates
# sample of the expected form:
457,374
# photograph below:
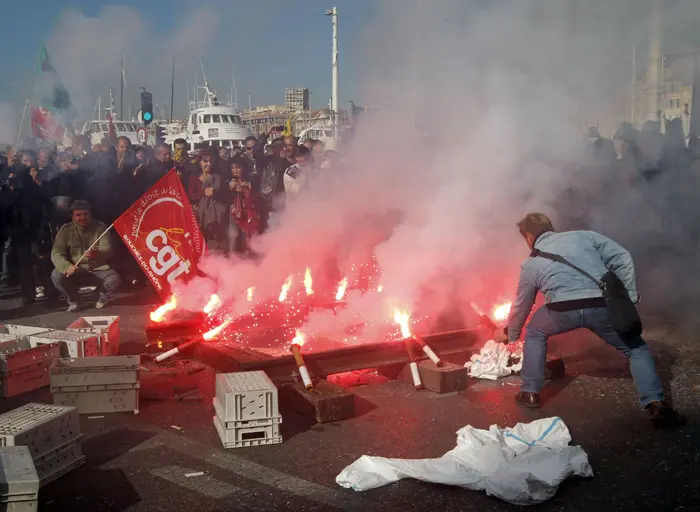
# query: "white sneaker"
73,307
100,304
39,292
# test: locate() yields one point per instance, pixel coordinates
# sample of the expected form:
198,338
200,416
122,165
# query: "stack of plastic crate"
247,411
23,368
106,327
73,344
50,432
20,331
97,384
19,483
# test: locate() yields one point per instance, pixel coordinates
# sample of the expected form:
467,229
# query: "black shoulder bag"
623,313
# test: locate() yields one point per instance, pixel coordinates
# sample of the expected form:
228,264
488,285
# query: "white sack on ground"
495,360
523,465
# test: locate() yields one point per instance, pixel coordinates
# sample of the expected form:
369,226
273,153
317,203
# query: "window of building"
670,103
678,103
685,107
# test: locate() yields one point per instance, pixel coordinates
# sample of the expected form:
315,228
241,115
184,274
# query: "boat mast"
172,91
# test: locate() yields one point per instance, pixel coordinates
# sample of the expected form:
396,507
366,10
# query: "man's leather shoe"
662,414
531,400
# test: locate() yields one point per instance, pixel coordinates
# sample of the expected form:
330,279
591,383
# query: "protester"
573,301
297,176
208,199
244,212
77,264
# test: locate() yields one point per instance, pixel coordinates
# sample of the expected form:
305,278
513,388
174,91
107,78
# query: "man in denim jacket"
574,301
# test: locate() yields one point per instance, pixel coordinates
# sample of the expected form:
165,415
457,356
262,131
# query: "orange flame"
402,318
285,289
501,311
308,282
249,293
342,286
213,304
299,338
215,331
159,314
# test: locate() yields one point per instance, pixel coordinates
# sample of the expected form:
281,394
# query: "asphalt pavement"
139,462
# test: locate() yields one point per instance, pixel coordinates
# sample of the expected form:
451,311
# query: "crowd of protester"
54,204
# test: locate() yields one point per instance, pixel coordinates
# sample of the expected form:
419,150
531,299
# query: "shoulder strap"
555,257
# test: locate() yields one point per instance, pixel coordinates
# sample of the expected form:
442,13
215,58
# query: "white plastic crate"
19,481
75,344
242,437
20,506
59,462
106,327
94,371
100,399
23,368
40,427
246,396
218,409
21,330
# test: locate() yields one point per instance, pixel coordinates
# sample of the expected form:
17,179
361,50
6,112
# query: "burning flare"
285,289
308,282
212,305
215,331
501,311
159,314
402,318
342,287
380,288
249,294
299,338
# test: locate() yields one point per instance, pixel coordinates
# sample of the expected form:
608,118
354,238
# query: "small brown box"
326,402
444,379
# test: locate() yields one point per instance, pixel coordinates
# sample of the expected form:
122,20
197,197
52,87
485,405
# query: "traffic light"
146,107
160,134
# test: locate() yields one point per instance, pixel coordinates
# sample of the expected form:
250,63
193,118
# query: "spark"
380,288
215,331
402,318
341,289
159,314
501,311
308,282
212,305
285,289
249,293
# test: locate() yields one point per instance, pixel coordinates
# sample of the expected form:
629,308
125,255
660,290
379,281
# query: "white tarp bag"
523,465
495,360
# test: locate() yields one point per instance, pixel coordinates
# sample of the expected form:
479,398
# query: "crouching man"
572,301
71,244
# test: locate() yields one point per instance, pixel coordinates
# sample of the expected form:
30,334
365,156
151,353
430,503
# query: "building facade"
261,119
296,98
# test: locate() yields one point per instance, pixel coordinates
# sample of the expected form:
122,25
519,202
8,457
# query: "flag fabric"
51,105
162,233
287,128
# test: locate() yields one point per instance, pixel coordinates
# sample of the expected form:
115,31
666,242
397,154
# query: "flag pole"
93,245
21,123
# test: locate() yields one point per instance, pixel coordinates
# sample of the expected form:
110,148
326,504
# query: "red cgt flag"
161,232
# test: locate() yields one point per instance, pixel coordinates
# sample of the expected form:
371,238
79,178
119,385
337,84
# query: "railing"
196,105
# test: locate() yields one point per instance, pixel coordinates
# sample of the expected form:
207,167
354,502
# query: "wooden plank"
444,379
321,364
325,403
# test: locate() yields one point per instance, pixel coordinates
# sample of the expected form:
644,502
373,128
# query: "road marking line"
206,485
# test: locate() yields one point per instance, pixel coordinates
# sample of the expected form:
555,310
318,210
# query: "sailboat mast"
172,91
121,91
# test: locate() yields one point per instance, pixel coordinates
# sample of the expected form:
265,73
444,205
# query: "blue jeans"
107,280
546,323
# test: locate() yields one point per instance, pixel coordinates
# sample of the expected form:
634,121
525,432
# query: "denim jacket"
588,250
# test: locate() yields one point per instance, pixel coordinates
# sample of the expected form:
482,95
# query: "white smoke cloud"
8,123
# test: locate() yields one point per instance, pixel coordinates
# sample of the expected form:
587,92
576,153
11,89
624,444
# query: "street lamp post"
335,112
